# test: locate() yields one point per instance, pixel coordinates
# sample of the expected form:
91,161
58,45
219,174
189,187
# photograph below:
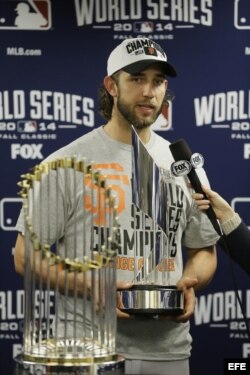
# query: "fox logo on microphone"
197,160
181,168
26,151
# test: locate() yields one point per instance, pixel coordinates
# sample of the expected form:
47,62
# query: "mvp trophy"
71,239
152,293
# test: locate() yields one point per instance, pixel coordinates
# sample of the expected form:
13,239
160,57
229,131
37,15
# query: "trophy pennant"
151,292
149,193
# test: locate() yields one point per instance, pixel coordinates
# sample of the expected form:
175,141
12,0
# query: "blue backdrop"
53,58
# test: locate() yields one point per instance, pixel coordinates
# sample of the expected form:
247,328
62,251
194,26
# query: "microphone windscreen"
180,150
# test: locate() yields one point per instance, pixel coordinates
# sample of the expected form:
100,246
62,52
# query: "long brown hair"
105,100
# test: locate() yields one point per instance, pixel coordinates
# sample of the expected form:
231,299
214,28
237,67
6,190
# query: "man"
236,233
133,93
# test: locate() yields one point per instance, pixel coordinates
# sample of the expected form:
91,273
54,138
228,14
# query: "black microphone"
181,152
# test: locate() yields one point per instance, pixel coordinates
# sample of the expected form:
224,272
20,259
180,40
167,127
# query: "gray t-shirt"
137,338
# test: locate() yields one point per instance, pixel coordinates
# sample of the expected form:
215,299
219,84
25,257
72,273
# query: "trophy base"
151,300
114,367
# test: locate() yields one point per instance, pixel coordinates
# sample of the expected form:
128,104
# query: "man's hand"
186,285
119,305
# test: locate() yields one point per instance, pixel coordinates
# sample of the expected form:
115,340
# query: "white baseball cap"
136,54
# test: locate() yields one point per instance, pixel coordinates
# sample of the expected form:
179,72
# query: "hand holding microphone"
221,207
185,163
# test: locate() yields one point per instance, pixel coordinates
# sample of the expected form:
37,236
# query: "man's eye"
137,79
159,82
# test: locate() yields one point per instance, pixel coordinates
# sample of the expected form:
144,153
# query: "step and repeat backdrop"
53,59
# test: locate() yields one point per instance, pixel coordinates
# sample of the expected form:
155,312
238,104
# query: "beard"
133,119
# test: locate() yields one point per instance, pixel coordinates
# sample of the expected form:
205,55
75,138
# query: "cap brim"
138,66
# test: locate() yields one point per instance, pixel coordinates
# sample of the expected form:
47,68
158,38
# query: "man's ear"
110,85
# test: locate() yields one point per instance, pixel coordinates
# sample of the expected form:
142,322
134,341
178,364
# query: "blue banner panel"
53,59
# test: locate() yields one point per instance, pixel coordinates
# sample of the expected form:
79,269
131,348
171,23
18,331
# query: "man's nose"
148,90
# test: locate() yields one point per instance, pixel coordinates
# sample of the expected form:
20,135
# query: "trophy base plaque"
152,300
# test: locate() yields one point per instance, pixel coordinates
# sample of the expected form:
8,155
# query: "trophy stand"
71,239
153,300
152,293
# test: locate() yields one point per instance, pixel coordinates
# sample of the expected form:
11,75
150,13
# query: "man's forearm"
201,264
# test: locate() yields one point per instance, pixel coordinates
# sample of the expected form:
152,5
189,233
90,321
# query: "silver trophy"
152,292
71,240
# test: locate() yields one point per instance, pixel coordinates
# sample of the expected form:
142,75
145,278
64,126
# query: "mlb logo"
164,120
27,126
25,15
9,211
143,27
241,14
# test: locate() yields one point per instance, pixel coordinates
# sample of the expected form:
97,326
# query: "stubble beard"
133,119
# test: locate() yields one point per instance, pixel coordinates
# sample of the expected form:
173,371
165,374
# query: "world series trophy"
71,239
152,292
